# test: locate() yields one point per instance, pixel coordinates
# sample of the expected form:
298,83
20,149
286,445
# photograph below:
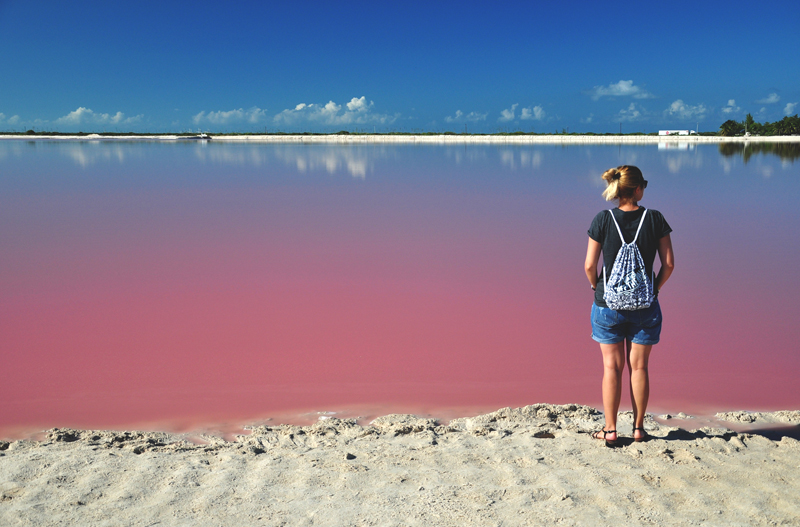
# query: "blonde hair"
622,182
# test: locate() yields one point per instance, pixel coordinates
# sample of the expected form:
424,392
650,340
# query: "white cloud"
252,115
788,109
536,113
684,111
588,119
457,117
769,99
358,111
77,116
631,113
508,114
359,105
87,116
14,119
471,116
620,89
475,116
730,107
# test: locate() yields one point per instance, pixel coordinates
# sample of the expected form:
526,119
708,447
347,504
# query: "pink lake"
185,285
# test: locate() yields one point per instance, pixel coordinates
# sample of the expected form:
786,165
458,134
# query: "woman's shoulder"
659,222
602,215
601,219
655,213
599,225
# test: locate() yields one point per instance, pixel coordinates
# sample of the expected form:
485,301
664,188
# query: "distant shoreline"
415,139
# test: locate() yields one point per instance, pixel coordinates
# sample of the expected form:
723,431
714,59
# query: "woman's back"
604,232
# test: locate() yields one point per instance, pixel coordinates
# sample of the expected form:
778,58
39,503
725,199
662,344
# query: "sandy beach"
437,139
535,465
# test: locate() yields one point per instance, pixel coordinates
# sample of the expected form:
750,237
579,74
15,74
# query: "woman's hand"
592,256
667,258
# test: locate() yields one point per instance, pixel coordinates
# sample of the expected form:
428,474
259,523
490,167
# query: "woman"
640,328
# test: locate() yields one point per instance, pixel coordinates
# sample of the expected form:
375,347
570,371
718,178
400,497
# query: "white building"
677,132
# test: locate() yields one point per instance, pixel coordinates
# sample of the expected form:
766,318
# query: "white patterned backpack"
628,288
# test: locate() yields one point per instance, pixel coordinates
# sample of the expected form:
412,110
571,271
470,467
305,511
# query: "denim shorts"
642,326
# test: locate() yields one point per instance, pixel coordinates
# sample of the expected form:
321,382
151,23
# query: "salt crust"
535,465
783,416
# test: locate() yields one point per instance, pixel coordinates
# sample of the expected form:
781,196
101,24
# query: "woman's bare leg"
638,359
613,364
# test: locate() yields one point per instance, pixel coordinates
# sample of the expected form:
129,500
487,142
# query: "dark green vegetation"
789,125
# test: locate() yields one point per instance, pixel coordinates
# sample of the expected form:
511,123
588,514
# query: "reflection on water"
358,161
97,151
361,160
676,145
463,154
786,151
521,158
83,153
679,160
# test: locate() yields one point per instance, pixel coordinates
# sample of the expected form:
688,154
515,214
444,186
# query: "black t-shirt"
605,233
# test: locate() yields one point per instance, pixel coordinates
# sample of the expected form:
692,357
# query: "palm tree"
782,127
748,123
731,128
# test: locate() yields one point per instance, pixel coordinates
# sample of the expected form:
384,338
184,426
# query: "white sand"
529,466
425,139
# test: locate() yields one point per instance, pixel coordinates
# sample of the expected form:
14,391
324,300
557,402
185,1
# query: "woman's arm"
592,256
667,258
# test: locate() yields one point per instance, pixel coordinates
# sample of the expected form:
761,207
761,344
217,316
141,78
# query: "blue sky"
395,66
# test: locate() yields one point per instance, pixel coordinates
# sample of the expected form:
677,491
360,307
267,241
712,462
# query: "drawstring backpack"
628,288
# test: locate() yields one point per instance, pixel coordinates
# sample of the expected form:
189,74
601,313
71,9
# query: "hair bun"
618,188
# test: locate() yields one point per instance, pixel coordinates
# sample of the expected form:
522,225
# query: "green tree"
782,127
789,125
749,123
731,128
793,124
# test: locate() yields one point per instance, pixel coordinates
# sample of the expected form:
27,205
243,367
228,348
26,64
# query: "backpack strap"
640,226
621,237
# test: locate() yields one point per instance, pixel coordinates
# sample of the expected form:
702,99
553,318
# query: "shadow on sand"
774,433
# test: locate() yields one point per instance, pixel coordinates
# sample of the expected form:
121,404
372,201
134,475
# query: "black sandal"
609,442
645,437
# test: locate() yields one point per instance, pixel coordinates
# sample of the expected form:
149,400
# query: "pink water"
181,286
